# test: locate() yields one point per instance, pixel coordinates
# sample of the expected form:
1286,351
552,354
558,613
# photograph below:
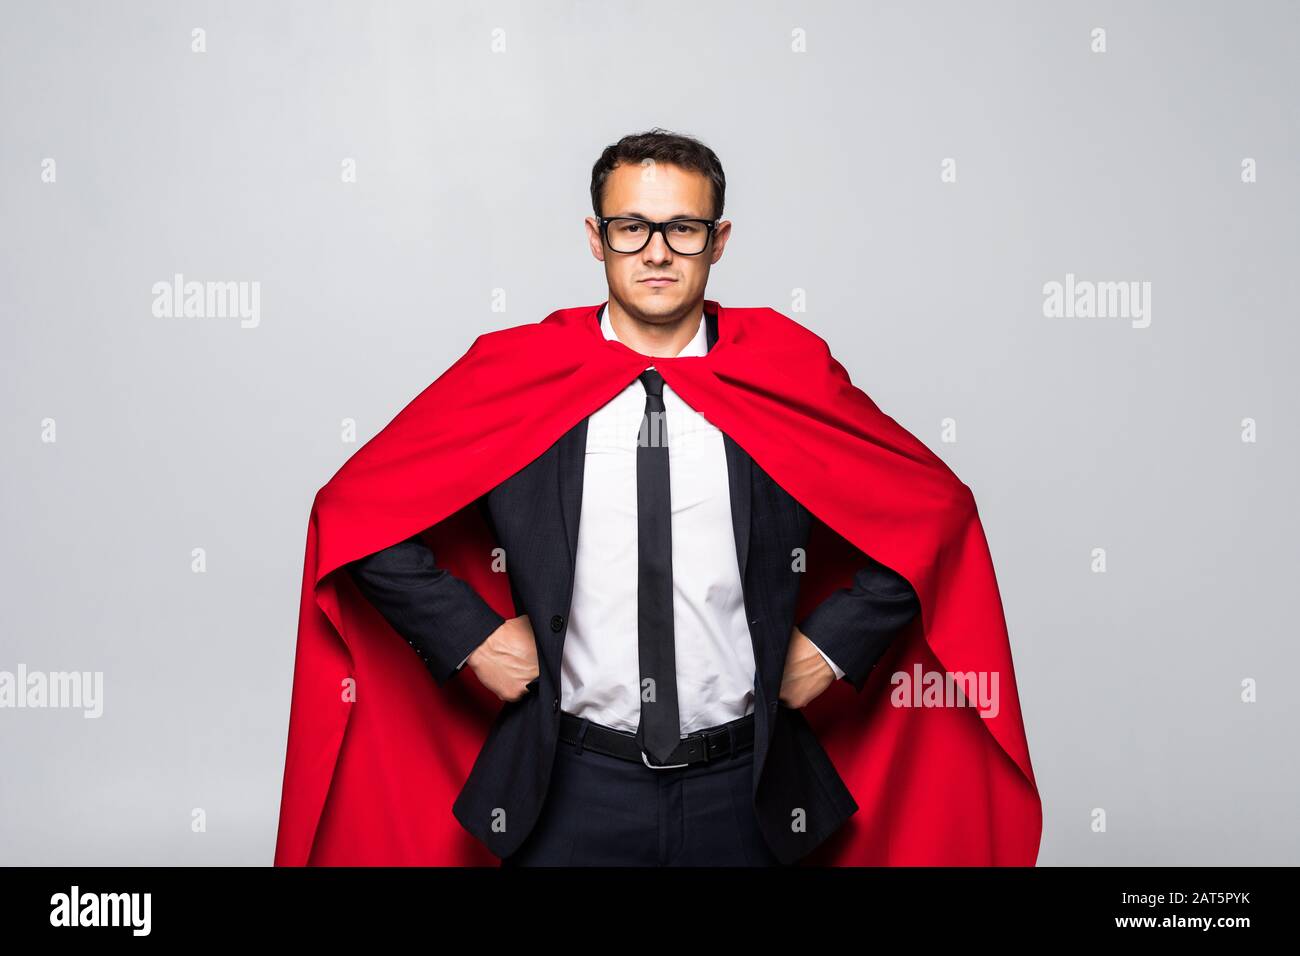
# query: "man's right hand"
506,662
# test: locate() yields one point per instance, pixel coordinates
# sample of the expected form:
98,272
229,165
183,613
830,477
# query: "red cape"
377,751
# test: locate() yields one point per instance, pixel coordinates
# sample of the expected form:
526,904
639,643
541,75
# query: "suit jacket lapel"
738,471
738,478
571,461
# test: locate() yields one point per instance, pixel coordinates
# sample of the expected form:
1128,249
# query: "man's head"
658,176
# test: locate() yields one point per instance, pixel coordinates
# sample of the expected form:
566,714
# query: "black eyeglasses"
686,237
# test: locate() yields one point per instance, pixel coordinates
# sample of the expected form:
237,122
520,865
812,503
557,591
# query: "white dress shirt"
601,670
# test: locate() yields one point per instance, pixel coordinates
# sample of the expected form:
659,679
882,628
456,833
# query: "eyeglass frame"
659,228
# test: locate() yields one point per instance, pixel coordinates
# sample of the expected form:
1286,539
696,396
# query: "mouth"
656,282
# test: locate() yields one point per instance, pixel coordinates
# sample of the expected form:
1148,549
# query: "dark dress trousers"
444,619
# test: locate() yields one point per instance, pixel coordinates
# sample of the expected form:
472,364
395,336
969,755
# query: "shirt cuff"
838,673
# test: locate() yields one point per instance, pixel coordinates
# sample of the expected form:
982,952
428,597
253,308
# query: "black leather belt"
703,746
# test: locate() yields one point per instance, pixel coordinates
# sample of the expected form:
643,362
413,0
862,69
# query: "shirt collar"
696,346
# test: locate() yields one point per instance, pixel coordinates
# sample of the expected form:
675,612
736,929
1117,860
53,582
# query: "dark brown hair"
661,146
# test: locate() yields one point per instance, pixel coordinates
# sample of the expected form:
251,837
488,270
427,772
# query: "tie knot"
653,382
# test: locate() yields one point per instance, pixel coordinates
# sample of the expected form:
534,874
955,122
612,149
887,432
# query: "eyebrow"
641,215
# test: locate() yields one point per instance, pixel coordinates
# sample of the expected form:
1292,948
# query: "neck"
664,336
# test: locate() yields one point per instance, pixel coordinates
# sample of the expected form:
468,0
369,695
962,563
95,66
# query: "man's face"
657,192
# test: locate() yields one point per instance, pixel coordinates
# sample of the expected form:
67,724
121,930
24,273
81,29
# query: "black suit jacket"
534,515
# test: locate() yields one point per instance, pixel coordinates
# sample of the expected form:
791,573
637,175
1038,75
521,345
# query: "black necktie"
658,732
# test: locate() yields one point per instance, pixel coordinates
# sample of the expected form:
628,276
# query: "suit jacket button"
555,705
557,623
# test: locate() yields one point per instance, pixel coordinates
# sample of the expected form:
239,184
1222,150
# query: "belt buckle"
661,766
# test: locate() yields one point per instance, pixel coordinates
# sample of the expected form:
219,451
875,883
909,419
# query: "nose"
657,250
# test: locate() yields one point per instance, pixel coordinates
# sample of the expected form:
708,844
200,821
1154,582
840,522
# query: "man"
657,636
617,472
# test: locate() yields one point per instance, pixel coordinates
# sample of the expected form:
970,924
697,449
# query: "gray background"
473,171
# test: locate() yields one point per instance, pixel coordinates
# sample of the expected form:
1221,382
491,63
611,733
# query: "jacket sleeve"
854,626
438,614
